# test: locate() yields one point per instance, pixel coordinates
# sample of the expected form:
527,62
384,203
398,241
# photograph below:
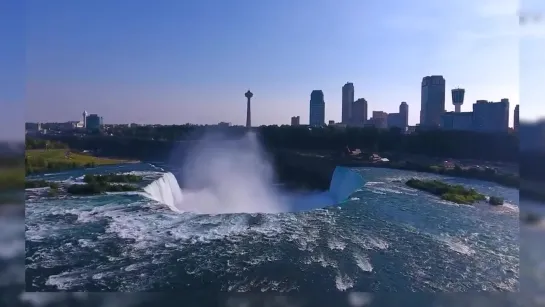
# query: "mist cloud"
225,175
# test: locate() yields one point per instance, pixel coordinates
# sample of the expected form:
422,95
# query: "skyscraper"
359,112
295,120
347,101
491,116
317,108
516,120
249,96
432,101
94,122
404,115
379,120
458,99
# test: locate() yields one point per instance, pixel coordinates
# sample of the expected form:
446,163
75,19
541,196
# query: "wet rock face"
297,171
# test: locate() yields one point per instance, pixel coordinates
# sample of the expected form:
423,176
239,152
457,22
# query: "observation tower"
458,98
249,96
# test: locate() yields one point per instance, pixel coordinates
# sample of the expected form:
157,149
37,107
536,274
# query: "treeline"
40,165
150,141
448,144
34,143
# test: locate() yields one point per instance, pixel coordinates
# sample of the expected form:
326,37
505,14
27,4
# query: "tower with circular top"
458,98
248,96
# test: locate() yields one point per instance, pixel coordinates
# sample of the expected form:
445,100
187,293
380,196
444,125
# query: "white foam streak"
343,282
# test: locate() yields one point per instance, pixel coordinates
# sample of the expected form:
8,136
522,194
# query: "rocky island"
94,184
454,193
112,178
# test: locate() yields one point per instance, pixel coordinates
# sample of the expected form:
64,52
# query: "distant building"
359,112
491,116
331,123
69,126
224,124
411,129
394,120
32,128
404,112
432,101
347,101
94,122
462,121
379,120
295,121
399,120
516,119
317,108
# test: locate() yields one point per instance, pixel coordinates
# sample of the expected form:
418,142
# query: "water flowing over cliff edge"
217,200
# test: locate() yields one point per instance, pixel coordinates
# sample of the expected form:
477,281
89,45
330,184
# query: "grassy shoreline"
39,161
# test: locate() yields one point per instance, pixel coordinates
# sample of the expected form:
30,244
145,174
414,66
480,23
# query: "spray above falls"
234,176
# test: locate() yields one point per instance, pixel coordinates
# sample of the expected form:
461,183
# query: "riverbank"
56,160
506,180
322,164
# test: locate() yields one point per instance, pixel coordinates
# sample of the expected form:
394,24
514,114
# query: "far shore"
388,166
478,170
82,168
39,161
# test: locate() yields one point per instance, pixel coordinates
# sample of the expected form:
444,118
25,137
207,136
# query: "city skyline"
189,64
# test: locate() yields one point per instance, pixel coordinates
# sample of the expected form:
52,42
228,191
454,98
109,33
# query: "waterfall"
214,200
166,190
344,183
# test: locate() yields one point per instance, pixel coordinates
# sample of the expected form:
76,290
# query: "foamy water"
381,238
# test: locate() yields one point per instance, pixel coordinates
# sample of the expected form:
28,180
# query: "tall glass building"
432,104
317,108
347,103
94,122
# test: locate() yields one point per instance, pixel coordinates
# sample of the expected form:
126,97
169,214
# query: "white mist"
223,175
229,176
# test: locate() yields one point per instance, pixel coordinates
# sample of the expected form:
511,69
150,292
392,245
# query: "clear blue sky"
191,61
